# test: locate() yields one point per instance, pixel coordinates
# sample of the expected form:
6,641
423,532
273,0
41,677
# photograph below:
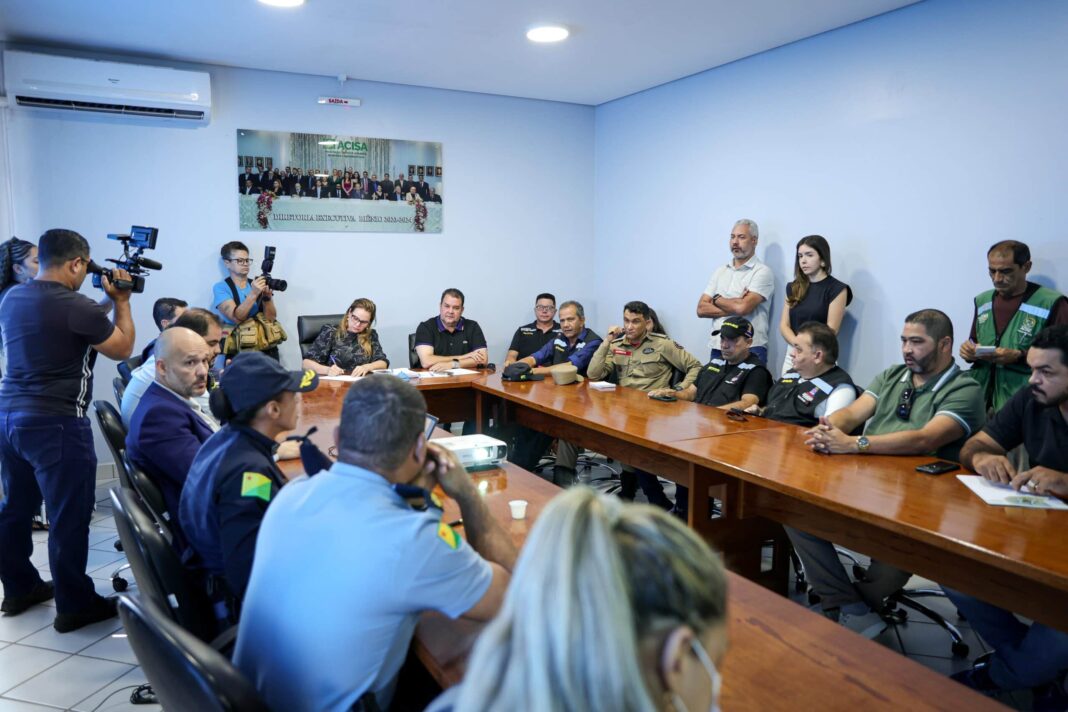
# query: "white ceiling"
617,47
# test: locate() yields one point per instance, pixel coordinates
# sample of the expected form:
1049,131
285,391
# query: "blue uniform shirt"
230,484
344,566
560,349
220,292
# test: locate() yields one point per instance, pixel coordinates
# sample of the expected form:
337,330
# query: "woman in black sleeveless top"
814,295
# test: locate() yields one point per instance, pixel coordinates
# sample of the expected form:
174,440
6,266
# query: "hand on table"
1042,480
829,440
995,468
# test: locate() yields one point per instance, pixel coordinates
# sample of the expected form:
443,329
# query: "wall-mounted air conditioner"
42,81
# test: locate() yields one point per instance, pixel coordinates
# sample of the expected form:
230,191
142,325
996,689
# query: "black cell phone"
938,467
665,398
744,413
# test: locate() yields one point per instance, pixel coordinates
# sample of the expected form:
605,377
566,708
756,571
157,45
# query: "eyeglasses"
904,407
241,260
357,320
544,308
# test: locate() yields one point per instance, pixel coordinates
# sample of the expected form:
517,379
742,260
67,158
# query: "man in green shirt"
927,406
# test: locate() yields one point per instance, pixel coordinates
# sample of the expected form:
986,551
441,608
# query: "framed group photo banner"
323,183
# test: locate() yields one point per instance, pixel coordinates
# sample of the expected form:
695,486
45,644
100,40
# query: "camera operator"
236,298
52,335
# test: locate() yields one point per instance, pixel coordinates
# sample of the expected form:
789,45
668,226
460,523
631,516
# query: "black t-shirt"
719,382
1040,428
817,301
49,332
464,339
529,339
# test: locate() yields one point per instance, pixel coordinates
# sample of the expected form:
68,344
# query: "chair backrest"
309,326
115,435
151,497
126,368
119,387
413,357
185,673
161,577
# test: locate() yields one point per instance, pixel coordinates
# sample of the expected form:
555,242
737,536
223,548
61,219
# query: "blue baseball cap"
253,378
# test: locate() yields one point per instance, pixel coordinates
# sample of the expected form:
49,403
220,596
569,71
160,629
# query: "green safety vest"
1001,382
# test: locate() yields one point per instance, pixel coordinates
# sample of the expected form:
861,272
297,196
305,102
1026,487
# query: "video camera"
277,285
141,239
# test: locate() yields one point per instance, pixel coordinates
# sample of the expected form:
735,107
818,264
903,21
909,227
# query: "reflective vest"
1001,382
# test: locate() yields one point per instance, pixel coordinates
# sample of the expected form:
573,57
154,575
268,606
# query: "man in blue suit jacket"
168,426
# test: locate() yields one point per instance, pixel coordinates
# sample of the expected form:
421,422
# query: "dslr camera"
277,285
140,239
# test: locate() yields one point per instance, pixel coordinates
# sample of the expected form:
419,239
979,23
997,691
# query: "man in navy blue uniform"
168,427
52,335
575,345
234,478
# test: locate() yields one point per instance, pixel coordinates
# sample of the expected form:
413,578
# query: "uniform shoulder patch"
677,345
253,484
448,535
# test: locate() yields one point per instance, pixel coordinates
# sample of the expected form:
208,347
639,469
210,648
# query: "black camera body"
140,239
277,285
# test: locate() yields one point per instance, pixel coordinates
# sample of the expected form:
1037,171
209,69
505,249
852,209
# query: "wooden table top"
782,656
625,411
887,490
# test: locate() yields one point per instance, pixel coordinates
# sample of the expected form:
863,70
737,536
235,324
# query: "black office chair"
126,368
185,672
119,387
309,326
161,577
413,357
107,417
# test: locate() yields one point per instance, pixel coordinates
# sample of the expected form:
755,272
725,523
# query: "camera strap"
233,291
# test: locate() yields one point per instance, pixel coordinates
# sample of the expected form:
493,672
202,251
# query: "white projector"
476,452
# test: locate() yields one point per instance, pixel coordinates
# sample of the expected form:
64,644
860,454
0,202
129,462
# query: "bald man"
168,425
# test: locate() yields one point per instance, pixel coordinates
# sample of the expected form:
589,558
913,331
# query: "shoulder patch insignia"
253,484
447,535
648,350
309,376
677,345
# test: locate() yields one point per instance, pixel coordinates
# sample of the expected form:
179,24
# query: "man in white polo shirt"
740,288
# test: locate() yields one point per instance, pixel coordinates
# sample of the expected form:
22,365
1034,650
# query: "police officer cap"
519,371
253,378
734,327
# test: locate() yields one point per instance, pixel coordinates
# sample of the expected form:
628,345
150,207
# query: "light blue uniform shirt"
343,568
220,292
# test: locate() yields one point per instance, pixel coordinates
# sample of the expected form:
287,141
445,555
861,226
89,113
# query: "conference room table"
782,656
763,474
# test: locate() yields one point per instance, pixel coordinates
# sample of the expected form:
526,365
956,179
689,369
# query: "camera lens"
278,285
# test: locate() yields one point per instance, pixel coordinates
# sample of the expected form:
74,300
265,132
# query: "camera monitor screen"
143,237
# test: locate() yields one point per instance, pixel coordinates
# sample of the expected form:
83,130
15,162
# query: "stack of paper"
1005,496
602,385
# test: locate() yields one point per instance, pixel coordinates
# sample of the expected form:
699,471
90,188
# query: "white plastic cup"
519,508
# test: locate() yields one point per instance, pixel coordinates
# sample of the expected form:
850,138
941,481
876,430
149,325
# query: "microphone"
146,262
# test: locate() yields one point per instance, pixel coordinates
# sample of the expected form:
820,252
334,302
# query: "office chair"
309,326
119,387
413,357
185,673
161,577
126,368
107,417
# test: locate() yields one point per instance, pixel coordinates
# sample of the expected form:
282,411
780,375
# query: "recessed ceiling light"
547,33
283,3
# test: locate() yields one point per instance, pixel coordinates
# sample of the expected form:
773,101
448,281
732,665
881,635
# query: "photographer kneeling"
51,336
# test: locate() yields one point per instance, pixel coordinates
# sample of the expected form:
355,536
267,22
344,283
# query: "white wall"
518,196
911,141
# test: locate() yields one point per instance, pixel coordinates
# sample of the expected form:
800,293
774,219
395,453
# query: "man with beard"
925,406
1036,417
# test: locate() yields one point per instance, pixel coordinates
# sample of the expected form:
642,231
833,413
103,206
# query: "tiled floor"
89,670
94,669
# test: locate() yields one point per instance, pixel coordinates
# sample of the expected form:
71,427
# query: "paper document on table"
346,379
461,372
602,385
1005,496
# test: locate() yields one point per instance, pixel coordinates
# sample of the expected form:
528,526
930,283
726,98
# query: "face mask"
713,675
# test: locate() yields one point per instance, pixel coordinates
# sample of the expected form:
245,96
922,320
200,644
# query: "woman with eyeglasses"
814,295
612,606
351,347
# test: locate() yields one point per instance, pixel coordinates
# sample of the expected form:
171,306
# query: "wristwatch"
863,444
714,298
456,363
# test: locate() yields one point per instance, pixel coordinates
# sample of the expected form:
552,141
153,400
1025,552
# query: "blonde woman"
351,347
612,606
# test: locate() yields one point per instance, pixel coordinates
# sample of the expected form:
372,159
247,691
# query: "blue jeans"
1024,655
761,352
52,457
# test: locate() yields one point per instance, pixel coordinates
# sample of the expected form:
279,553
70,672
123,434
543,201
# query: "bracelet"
714,298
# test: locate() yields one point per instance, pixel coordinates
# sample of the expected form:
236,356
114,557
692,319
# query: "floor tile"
944,666
117,701
7,705
113,646
107,522
107,544
39,556
99,534
889,639
74,641
99,559
69,682
13,628
18,664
